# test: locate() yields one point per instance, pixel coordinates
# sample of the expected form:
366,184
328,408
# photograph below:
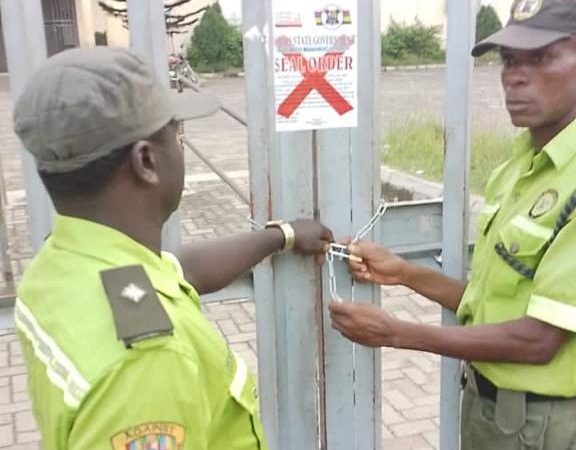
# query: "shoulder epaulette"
138,313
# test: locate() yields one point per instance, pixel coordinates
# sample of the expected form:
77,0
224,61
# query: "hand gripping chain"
341,251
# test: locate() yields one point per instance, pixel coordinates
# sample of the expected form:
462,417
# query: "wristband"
287,230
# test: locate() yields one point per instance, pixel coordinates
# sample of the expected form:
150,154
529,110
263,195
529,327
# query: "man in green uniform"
519,307
119,355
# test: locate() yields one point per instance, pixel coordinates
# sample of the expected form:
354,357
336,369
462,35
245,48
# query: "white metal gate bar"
148,37
255,15
349,185
25,43
25,51
282,183
459,64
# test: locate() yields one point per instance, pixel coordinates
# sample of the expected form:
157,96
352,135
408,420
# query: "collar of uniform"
523,150
115,248
522,144
562,148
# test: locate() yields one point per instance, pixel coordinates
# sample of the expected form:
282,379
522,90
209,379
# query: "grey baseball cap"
533,24
83,103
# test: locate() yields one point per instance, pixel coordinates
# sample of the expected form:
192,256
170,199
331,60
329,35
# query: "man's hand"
365,324
378,265
311,237
525,340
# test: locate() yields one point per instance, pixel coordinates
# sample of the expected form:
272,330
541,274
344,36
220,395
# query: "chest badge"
545,203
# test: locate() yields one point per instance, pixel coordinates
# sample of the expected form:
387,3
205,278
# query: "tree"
215,45
487,22
413,43
175,22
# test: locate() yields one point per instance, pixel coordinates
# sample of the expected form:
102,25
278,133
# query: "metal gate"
3,65
61,25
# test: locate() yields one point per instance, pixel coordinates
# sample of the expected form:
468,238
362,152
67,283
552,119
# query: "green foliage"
411,44
487,22
217,8
215,46
417,147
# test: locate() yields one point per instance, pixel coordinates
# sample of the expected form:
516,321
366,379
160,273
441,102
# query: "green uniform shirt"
524,198
184,391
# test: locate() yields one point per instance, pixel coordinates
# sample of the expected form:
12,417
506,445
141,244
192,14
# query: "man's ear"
143,162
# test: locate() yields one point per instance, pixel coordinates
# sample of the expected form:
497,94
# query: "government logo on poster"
332,17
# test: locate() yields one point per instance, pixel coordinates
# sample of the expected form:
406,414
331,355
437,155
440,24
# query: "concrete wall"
84,15
118,35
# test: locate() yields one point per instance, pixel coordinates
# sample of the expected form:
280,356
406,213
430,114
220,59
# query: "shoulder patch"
150,435
138,313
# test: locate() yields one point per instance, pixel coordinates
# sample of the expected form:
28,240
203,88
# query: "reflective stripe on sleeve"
561,315
240,377
60,370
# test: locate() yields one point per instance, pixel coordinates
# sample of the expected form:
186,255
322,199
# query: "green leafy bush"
411,44
487,22
215,46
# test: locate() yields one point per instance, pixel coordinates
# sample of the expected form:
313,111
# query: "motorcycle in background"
179,70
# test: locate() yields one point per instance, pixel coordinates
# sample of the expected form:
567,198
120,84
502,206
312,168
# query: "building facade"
67,24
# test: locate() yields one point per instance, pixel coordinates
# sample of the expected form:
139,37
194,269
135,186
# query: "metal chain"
332,277
341,251
372,222
255,225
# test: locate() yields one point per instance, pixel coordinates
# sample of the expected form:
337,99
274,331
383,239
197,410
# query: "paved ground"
410,379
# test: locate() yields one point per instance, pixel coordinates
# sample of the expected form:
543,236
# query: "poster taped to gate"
315,57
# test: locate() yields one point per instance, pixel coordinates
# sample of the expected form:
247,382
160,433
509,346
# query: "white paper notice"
315,64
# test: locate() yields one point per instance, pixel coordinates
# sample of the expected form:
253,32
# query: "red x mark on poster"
313,80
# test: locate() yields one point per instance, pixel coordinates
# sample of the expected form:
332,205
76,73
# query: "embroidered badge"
150,436
545,203
526,9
